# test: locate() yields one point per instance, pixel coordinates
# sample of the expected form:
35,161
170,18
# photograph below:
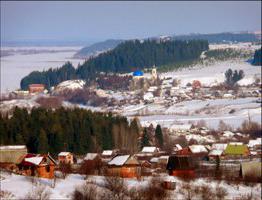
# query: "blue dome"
138,73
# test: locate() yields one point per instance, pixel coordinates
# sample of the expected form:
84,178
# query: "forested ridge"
126,57
75,130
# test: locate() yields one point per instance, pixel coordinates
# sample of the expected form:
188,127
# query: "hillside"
221,37
126,57
97,48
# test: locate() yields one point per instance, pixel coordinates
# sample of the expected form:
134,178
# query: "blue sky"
93,21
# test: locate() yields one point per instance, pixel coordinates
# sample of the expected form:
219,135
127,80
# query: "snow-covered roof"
90,156
177,147
34,160
107,152
197,148
119,160
219,146
255,142
64,153
12,147
236,143
215,152
228,134
154,160
149,149
178,127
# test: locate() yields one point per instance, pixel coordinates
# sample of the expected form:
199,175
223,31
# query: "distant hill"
126,57
97,48
221,37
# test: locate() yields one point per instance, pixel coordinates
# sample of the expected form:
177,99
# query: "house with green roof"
236,150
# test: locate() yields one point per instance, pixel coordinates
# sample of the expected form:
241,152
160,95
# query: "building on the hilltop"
12,155
39,165
154,73
65,157
138,74
36,88
125,166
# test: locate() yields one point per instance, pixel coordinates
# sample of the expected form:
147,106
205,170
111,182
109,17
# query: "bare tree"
116,186
87,191
40,192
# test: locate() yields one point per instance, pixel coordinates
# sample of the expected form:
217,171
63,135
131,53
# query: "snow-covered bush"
6,195
40,192
87,191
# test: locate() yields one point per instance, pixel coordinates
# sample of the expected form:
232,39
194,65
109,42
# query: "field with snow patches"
20,186
15,67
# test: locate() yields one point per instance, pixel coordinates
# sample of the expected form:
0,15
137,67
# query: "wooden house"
148,153
124,166
181,166
236,150
108,155
92,164
11,155
36,88
40,165
65,157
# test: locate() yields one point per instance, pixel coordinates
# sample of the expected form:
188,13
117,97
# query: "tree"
43,142
159,136
145,139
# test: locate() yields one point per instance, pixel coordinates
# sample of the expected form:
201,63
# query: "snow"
255,142
12,147
35,160
215,152
154,160
69,85
219,146
90,156
149,149
236,143
228,134
64,153
119,160
107,152
179,127
197,148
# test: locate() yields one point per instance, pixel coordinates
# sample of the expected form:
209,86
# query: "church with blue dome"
138,73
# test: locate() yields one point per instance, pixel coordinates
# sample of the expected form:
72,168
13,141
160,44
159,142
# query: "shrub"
65,168
220,192
87,191
6,195
116,186
40,192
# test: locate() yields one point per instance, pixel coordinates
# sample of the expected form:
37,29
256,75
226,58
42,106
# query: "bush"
220,192
6,195
40,192
87,191
65,168
116,186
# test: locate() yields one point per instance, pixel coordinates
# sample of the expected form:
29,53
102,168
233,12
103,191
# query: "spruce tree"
43,142
159,136
145,139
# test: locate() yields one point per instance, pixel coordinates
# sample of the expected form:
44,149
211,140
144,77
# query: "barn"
124,166
40,165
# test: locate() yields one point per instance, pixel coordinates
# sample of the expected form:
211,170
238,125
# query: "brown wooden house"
181,166
124,166
65,157
40,165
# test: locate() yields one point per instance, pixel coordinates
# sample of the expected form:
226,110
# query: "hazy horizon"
89,22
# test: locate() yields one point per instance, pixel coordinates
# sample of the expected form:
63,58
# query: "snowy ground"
15,67
20,186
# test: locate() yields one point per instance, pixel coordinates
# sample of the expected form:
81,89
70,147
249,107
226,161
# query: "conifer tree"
145,139
159,136
43,143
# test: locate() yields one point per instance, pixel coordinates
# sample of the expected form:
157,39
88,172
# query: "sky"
94,21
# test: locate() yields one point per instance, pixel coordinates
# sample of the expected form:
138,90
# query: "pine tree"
159,136
43,142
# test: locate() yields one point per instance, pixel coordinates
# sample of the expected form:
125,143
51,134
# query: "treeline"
126,57
257,57
76,130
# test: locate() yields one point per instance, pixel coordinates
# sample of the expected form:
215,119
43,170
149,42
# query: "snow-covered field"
211,111
15,67
20,186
